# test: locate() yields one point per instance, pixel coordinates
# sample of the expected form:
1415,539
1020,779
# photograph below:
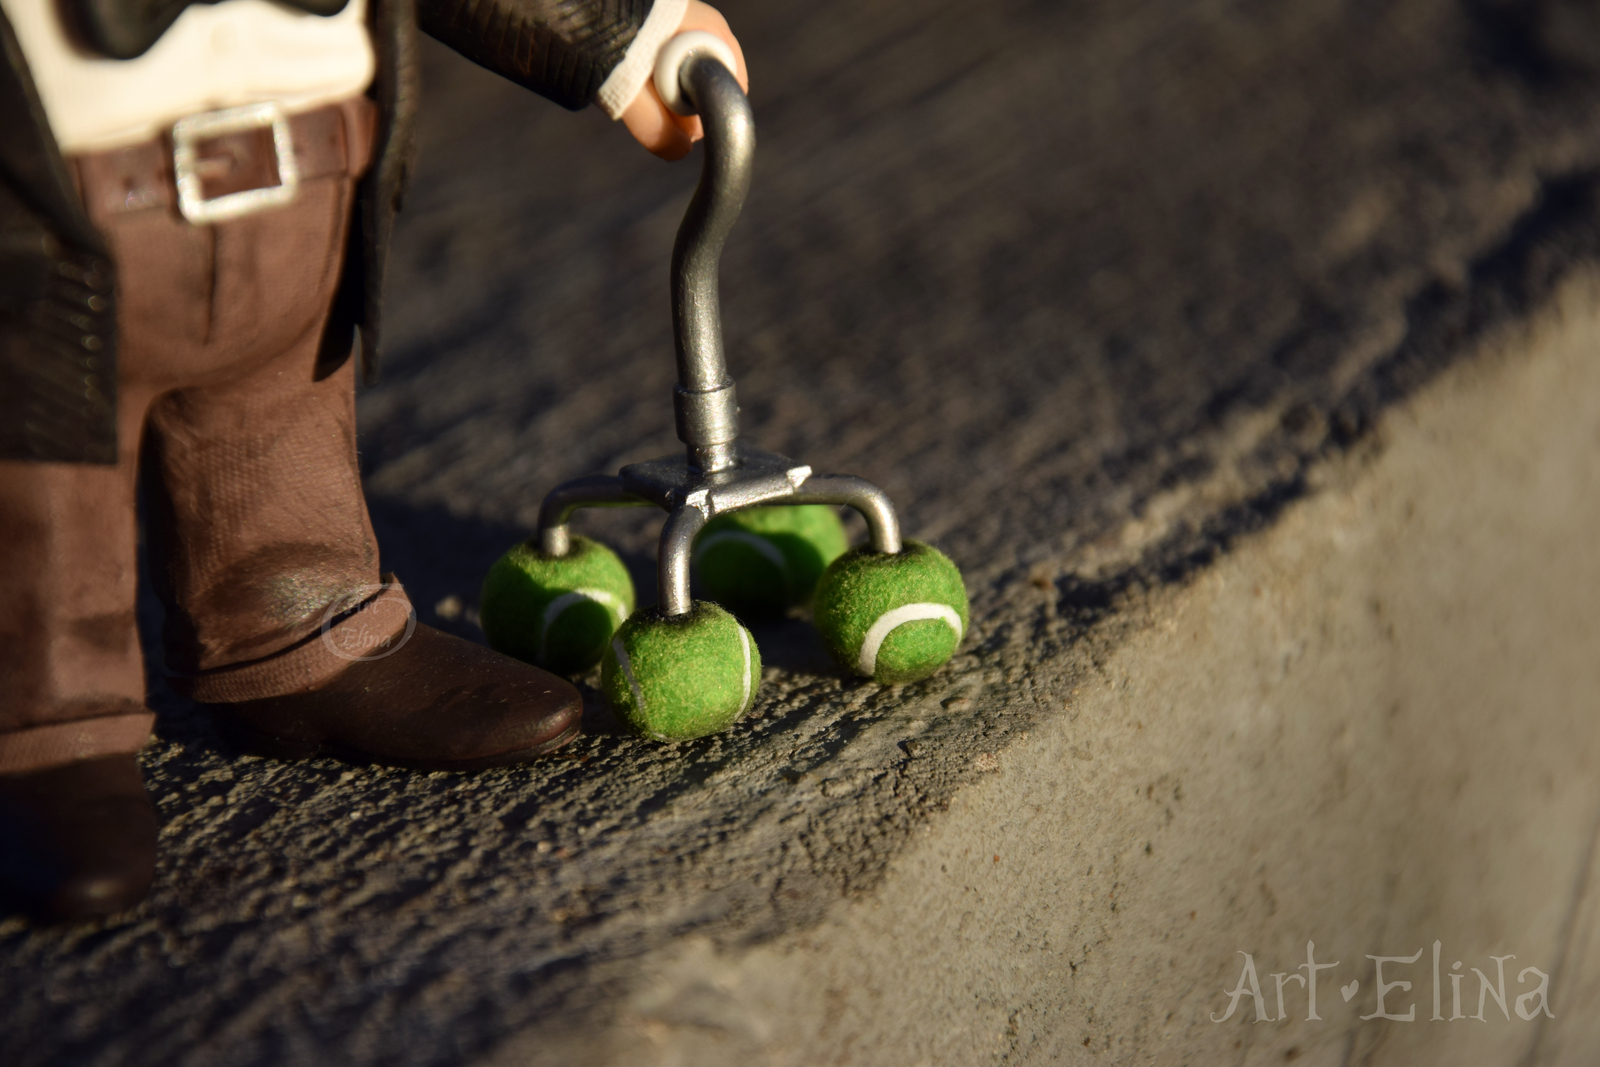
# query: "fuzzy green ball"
556,612
892,618
761,561
675,678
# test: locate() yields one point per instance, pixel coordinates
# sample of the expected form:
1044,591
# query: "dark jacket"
58,284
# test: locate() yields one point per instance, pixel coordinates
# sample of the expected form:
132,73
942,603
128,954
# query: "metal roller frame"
718,474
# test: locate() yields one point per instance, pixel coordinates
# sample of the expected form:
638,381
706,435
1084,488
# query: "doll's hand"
651,122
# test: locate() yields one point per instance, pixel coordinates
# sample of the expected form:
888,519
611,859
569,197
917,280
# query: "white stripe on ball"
744,643
552,611
886,623
760,544
626,667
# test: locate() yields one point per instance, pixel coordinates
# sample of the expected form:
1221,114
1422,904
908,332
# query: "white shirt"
234,53
213,57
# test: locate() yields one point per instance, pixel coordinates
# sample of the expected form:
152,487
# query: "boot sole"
250,741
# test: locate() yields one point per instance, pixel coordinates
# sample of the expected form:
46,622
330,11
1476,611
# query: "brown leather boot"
77,832
437,703
77,840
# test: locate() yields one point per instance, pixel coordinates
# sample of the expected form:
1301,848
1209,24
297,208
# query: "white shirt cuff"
638,63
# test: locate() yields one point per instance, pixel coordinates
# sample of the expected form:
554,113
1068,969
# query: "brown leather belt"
223,164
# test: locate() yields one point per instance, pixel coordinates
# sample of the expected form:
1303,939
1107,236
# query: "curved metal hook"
708,412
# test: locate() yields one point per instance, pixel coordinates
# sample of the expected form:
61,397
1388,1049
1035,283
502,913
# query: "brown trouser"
257,531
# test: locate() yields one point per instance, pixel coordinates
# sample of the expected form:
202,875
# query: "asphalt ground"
1087,288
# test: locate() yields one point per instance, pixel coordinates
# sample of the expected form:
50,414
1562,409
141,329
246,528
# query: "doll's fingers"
700,16
675,146
689,125
655,127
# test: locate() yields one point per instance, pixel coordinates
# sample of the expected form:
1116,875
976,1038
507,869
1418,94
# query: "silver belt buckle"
186,137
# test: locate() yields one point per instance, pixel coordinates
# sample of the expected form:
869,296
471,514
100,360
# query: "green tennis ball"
557,612
892,618
760,561
675,678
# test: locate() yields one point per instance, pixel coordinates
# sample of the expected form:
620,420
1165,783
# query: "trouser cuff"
373,629
40,747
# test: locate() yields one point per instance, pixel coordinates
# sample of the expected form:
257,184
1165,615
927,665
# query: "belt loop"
360,133
75,172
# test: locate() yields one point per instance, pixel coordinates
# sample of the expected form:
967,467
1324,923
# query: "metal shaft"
707,409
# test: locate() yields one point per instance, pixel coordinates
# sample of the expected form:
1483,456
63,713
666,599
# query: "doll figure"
194,207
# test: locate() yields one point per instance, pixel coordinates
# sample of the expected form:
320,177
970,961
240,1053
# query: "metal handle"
707,408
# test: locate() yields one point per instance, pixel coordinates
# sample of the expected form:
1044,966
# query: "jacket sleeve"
561,49
57,344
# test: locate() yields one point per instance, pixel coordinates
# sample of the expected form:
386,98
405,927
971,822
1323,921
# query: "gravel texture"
1088,288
